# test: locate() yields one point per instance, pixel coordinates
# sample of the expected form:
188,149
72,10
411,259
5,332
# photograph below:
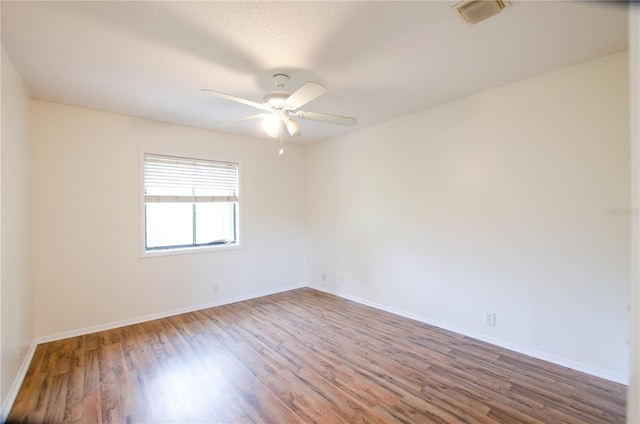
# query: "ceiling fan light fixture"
292,127
474,11
271,125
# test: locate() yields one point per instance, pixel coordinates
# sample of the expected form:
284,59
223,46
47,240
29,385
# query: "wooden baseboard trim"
605,374
151,317
577,366
17,382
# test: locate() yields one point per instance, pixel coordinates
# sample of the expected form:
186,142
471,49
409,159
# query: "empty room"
319,211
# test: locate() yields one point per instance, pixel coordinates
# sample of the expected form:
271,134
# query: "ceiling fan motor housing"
276,99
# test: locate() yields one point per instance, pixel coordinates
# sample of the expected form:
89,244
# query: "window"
189,203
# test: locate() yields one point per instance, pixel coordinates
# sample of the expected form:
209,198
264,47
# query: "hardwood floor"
300,357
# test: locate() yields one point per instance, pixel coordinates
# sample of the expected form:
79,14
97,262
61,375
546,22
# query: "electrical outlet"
490,319
216,289
324,277
340,281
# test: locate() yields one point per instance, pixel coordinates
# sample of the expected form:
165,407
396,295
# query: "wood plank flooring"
301,357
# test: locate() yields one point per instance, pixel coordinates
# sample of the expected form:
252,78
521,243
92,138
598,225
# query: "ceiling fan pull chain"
281,151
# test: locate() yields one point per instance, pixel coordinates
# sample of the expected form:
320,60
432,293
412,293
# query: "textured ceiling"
378,60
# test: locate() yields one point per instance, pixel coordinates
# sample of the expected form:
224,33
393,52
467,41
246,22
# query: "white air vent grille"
474,11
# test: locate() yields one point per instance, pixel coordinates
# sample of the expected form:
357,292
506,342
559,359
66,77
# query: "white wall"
85,194
15,283
633,394
496,202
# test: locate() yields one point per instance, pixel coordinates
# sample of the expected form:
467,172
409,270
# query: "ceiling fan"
279,108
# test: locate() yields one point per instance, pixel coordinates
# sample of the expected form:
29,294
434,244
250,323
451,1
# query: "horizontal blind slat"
163,175
189,199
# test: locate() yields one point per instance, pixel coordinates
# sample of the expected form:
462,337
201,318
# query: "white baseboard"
17,383
15,387
165,314
22,372
577,366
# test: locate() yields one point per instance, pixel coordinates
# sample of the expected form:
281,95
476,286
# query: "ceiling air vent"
474,11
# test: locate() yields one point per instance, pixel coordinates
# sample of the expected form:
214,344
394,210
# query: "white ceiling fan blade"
240,120
305,94
257,105
325,117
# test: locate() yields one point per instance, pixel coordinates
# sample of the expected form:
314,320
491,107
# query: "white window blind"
176,179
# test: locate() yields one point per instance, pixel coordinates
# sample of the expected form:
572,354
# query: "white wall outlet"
324,277
216,289
340,281
490,319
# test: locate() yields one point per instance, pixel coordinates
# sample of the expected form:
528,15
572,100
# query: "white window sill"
188,250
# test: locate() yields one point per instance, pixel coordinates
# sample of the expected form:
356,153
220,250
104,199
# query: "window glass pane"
169,224
215,223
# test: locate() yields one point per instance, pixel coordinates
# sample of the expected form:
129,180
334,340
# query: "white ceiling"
378,60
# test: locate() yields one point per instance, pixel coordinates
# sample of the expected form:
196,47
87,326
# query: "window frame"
189,249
